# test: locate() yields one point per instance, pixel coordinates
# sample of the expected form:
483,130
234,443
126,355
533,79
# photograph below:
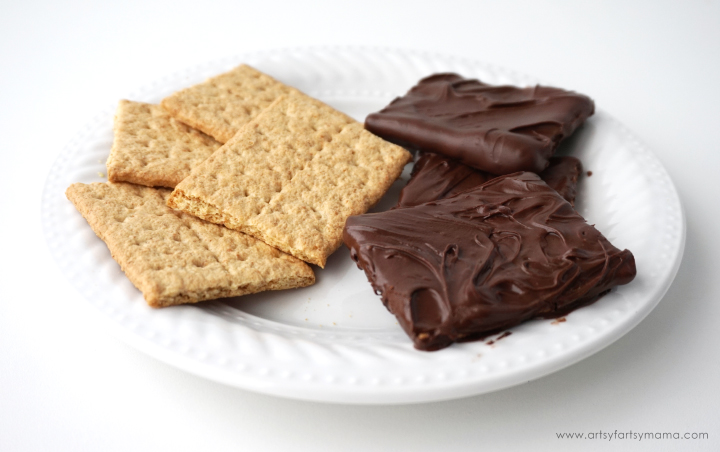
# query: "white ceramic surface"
335,341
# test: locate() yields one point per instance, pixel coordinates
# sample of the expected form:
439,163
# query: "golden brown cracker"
175,258
152,148
221,105
292,176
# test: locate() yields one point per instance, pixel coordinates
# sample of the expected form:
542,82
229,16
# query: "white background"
66,384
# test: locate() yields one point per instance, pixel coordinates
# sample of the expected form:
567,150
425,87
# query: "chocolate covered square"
485,260
436,177
498,129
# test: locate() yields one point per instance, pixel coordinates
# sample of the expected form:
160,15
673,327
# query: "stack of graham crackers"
264,178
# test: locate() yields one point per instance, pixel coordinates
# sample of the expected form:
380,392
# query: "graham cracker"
174,258
292,176
221,105
152,148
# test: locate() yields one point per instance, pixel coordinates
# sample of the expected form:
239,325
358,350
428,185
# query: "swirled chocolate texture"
498,129
436,177
485,260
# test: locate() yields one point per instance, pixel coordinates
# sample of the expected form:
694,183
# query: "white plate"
335,341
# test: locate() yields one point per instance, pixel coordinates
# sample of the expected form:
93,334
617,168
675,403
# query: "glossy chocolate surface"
484,260
498,129
562,176
436,177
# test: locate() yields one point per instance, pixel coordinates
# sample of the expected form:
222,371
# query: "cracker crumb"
101,174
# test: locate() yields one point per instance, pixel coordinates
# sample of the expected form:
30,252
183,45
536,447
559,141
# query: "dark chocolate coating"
436,177
562,175
498,129
484,260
